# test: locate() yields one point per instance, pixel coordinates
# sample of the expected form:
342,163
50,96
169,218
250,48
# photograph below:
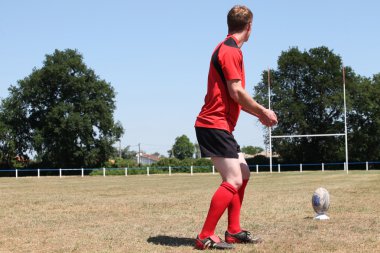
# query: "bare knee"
245,172
230,170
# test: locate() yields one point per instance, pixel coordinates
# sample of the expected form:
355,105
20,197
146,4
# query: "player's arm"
249,105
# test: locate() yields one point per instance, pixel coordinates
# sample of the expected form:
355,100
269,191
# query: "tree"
251,150
307,95
126,153
14,128
183,148
6,145
364,119
63,113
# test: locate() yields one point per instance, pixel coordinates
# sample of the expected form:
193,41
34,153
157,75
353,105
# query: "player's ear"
249,26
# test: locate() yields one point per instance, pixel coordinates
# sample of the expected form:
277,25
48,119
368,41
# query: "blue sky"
156,53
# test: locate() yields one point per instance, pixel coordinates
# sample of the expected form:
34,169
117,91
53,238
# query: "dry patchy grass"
162,213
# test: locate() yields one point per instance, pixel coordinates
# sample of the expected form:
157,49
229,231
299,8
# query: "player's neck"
241,37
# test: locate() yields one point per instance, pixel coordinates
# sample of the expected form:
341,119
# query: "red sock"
219,202
234,210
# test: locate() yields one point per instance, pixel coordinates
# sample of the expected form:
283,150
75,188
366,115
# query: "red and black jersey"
220,111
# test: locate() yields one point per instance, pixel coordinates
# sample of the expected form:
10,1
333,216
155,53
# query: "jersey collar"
234,38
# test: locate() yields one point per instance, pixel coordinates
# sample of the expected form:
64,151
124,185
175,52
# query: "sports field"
162,213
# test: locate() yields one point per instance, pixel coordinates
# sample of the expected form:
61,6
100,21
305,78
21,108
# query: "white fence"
183,169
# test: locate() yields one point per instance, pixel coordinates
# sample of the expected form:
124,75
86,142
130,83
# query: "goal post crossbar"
305,135
310,135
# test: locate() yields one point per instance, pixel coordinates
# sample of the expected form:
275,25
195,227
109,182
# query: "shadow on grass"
171,241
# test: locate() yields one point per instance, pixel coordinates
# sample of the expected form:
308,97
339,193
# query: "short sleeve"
231,62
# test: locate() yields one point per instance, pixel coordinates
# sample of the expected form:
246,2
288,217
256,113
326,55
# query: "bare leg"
244,167
237,200
230,170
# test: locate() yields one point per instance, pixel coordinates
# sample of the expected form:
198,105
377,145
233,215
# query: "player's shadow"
172,241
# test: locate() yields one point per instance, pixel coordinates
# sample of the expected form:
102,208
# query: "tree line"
62,113
183,153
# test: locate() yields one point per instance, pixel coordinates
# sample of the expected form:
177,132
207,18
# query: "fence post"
82,172
279,168
213,169
170,171
104,171
16,173
60,172
38,173
323,167
257,168
366,166
191,170
147,171
126,171
300,167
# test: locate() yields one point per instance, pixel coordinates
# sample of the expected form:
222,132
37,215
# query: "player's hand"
268,118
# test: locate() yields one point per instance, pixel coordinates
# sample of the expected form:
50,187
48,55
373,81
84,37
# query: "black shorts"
217,143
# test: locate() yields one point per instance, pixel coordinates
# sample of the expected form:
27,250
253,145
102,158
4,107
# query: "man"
225,97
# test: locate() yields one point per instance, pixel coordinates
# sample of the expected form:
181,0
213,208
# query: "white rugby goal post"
310,135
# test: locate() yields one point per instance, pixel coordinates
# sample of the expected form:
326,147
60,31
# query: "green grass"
161,213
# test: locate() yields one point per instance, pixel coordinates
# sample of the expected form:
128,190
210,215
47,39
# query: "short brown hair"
238,17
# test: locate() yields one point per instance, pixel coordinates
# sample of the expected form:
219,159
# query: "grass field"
162,213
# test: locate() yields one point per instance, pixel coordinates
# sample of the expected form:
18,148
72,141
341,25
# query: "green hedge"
152,170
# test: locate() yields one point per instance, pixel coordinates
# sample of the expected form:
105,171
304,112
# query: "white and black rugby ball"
321,201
